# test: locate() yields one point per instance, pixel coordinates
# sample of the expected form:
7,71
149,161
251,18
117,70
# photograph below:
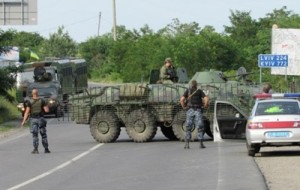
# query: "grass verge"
9,113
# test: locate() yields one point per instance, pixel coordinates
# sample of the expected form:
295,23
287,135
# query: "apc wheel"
168,132
104,127
179,127
141,126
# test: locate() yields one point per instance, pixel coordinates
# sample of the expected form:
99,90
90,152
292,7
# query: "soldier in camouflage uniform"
35,108
194,100
167,72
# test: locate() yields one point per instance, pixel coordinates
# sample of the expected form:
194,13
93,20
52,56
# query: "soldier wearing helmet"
167,72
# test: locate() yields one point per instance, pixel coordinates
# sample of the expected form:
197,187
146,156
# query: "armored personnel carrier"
143,107
139,107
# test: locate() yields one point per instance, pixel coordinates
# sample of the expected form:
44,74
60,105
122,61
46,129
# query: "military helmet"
168,60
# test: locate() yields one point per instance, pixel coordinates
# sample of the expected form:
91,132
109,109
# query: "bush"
8,110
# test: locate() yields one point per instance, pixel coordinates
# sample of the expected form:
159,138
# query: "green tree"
59,44
26,41
6,78
253,37
7,82
95,51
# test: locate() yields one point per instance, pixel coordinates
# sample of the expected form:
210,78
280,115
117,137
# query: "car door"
229,121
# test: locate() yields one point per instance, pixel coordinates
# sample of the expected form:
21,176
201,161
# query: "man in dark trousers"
194,101
35,109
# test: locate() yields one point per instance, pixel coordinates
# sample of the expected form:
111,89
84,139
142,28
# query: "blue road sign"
273,60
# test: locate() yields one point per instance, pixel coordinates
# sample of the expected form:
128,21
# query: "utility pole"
114,20
99,23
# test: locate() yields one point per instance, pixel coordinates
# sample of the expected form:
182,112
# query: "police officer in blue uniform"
35,109
194,101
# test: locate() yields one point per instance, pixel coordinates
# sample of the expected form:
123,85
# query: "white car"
274,121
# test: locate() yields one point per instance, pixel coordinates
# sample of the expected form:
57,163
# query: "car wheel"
252,149
257,148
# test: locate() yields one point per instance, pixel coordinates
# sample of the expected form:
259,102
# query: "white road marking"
220,180
49,172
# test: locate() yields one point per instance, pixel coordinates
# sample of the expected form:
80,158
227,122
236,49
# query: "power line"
71,24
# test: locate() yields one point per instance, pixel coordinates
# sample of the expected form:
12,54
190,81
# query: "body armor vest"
36,106
195,99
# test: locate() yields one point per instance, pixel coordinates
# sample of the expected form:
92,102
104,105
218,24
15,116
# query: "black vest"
195,99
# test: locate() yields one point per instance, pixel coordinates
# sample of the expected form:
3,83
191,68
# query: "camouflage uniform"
167,72
38,123
194,114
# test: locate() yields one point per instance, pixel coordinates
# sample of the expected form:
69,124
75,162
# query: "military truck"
51,93
56,77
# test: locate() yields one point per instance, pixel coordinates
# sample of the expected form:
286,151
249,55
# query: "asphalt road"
77,162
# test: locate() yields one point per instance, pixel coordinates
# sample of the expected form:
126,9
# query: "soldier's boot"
187,144
35,151
47,150
201,144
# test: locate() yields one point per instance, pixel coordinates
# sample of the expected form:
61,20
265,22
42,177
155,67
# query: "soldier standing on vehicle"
35,109
167,72
194,100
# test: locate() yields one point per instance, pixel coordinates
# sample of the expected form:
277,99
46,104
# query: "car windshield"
277,107
47,91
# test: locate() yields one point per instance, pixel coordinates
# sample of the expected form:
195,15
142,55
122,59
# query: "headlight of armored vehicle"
52,101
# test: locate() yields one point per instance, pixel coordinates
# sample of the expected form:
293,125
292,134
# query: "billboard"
18,12
12,54
286,41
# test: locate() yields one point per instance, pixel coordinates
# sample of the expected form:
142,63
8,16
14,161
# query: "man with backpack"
35,109
194,101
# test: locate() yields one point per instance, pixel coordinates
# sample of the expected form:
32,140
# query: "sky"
89,18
